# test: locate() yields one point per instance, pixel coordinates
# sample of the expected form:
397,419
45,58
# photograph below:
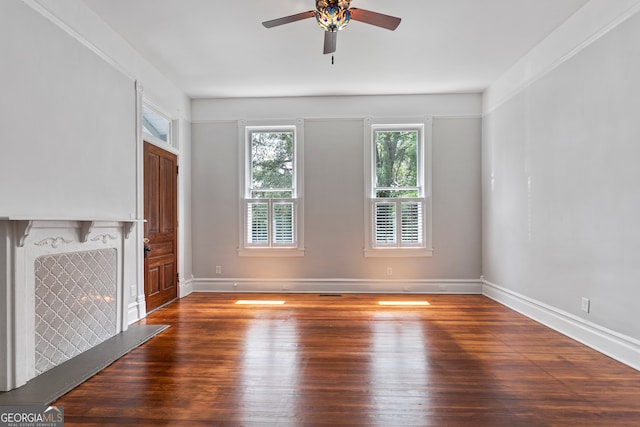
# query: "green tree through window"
272,164
396,163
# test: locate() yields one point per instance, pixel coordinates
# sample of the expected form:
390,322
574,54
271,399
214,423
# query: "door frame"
137,302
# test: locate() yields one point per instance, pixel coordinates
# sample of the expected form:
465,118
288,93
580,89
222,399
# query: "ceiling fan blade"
330,40
375,18
289,19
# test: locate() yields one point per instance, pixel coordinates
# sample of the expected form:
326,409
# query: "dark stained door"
161,227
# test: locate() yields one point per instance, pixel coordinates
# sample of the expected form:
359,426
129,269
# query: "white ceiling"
216,48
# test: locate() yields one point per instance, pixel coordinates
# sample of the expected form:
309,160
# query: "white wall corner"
620,347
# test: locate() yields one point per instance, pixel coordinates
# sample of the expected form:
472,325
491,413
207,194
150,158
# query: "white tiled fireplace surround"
61,291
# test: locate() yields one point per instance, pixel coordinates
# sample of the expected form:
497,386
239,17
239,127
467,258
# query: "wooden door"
161,227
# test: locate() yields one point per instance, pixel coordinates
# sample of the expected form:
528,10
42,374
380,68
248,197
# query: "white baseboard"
185,288
137,310
620,347
338,286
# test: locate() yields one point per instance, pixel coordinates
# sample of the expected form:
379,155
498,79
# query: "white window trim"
370,124
298,182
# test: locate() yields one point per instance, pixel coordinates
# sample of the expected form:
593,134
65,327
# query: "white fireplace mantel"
24,224
25,239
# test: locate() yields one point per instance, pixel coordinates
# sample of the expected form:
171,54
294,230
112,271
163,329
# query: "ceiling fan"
333,16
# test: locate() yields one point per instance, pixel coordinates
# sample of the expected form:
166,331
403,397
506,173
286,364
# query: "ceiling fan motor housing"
333,15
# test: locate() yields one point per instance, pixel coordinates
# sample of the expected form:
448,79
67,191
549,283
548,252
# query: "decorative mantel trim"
53,241
104,238
86,227
24,226
128,226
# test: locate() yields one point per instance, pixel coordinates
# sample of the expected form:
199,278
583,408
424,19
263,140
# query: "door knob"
147,248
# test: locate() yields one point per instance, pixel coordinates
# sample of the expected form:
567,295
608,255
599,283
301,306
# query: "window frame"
271,248
171,143
398,249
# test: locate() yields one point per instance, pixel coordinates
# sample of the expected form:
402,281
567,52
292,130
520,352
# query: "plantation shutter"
283,223
258,222
271,222
385,223
411,220
398,222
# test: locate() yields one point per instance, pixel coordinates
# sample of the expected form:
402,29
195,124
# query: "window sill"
271,252
398,253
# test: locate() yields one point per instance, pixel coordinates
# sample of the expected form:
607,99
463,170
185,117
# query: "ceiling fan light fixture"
333,15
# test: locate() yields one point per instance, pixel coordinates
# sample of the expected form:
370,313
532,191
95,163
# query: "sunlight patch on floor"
404,303
258,302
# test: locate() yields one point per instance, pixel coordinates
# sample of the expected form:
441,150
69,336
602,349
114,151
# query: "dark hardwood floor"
464,360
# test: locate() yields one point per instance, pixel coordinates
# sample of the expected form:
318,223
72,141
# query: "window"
398,205
271,193
155,124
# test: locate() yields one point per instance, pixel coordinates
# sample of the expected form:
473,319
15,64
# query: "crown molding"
42,10
589,24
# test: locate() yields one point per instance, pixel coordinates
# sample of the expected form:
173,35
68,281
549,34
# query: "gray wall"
65,114
68,132
334,176
560,184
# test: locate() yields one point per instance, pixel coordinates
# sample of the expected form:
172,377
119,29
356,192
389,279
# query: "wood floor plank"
464,360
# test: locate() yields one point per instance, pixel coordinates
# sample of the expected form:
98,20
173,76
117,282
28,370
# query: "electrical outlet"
218,269
586,304
389,271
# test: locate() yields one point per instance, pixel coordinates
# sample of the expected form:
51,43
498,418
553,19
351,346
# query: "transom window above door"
157,127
